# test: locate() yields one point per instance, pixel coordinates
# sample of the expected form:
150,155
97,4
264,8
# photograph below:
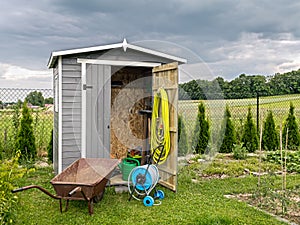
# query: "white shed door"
166,76
98,84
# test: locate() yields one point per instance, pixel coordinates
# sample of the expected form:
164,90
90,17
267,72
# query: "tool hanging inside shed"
160,128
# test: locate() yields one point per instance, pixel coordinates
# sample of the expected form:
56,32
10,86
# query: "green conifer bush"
270,136
201,132
291,127
25,142
228,133
249,138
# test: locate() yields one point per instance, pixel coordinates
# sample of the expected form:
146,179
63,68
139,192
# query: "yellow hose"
160,128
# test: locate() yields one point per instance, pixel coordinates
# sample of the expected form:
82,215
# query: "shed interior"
131,91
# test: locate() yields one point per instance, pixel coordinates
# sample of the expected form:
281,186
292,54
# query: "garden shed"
98,94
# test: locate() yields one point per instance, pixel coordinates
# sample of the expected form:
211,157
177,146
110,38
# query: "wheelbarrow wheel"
99,197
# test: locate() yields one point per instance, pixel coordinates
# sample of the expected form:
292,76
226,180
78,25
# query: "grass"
200,202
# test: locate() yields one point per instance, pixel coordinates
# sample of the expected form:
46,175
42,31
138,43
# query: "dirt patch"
285,206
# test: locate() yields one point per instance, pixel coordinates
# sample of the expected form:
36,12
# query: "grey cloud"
212,29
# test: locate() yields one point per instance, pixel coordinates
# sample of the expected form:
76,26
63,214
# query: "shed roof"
124,45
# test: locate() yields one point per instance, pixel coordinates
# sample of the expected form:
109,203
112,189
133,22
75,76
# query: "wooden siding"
71,111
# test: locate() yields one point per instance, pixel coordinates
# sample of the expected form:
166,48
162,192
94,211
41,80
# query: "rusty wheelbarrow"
85,179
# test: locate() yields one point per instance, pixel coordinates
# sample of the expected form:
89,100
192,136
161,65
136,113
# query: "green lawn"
202,202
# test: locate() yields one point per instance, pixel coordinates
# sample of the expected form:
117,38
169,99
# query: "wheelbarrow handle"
77,189
37,187
18,190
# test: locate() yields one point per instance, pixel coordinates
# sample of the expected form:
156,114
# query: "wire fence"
10,117
260,106
188,109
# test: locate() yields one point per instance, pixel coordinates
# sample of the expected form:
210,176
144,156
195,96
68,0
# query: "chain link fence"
188,109
260,106
10,116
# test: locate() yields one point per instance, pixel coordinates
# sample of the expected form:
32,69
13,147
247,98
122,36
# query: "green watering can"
127,165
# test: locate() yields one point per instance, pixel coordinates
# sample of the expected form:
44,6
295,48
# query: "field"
238,108
42,126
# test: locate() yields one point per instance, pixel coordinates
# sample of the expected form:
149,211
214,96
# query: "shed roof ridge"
56,54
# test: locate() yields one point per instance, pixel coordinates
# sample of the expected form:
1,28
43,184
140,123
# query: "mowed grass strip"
200,202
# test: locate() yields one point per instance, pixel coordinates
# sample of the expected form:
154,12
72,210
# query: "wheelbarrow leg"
60,205
90,205
67,205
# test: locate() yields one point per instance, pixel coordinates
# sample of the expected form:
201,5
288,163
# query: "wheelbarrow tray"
85,179
89,174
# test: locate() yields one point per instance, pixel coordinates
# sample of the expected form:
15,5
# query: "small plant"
182,137
291,127
228,132
270,135
292,159
249,138
239,151
50,148
201,132
9,172
25,139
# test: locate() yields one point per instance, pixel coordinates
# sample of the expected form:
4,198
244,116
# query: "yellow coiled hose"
160,129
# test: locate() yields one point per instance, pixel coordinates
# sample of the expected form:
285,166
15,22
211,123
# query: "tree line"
244,86
35,98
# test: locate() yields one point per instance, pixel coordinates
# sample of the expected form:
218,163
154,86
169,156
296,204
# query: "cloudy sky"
230,36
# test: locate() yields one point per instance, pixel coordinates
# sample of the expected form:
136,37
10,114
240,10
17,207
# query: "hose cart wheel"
159,194
148,201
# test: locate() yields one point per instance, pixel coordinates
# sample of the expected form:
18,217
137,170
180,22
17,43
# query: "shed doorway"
111,100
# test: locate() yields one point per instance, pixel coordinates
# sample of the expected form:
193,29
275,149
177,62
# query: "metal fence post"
257,111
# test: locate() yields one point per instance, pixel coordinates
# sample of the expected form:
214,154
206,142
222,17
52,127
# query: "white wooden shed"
98,92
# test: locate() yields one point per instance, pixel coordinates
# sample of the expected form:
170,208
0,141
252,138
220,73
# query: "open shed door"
166,76
98,110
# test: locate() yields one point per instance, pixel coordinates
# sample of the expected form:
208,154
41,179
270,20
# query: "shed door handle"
84,87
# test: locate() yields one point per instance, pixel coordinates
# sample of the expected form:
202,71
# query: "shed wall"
71,111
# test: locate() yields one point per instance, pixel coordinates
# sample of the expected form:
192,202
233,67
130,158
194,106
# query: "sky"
227,37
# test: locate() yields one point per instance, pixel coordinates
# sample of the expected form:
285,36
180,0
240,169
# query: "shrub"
9,172
201,132
291,127
50,148
25,139
228,132
182,137
270,139
239,151
249,137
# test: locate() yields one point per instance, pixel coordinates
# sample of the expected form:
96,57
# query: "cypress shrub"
25,139
291,127
228,132
270,139
182,137
50,148
249,138
201,132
